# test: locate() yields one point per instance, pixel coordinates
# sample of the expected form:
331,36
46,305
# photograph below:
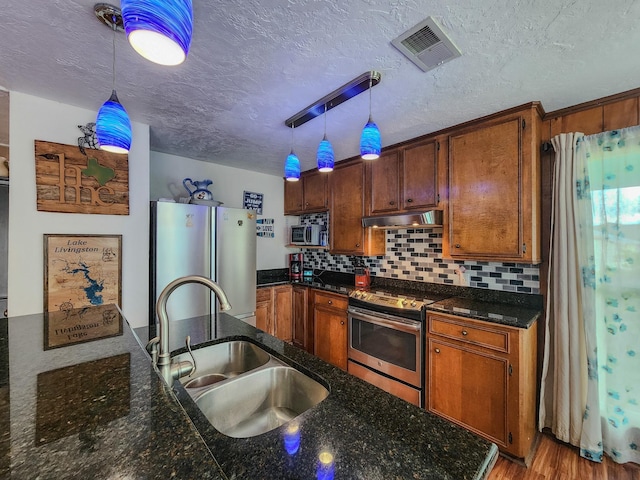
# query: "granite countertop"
369,433
99,410
90,410
512,315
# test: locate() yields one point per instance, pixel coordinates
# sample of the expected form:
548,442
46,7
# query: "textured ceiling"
253,64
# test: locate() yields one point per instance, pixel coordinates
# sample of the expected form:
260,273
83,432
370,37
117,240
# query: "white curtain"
564,374
590,395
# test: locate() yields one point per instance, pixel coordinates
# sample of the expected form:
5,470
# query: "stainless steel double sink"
244,391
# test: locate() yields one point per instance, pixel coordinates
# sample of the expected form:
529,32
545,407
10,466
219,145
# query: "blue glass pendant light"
325,156
113,128
159,30
370,142
292,164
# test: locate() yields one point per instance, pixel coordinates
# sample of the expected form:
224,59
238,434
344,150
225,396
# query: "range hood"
403,220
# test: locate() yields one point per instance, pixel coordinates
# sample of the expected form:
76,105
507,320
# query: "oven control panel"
382,300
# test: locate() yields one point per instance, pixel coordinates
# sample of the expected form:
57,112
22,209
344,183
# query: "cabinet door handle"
409,200
437,350
307,204
392,202
465,333
457,245
341,322
357,245
330,302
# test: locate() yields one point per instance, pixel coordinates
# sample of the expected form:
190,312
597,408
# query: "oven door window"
388,344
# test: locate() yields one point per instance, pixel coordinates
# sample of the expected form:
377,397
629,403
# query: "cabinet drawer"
331,300
405,392
474,334
263,294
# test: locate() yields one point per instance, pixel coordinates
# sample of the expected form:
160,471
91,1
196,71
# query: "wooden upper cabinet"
314,188
403,179
293,198
346,204
383,178
494,189
419,175
308,195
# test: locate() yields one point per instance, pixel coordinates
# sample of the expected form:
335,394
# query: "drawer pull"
457,245
465,333
341,322
392,202
409,200
437,350
330,302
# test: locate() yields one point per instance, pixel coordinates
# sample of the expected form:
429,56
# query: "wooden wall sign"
69,181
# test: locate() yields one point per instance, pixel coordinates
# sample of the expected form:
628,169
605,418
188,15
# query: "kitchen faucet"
158,347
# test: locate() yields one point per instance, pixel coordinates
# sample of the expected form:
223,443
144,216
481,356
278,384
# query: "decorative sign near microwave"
252,201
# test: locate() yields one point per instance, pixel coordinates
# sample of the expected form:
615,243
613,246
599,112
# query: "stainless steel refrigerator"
216,242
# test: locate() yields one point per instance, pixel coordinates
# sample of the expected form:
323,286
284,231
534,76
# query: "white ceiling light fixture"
427,45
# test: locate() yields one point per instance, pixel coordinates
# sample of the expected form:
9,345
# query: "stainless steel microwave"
305,235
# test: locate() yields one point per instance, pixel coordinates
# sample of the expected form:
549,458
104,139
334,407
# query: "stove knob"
413,304
404,302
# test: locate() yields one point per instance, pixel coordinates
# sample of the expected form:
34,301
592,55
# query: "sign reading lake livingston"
81,271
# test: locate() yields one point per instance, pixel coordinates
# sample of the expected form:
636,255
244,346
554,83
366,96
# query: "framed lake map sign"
82,271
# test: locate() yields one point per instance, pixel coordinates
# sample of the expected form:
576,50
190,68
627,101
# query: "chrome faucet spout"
171,372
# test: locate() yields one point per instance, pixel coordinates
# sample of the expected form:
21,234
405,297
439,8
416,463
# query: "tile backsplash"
416,254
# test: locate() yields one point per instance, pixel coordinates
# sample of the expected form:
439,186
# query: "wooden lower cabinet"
273,311
483,376
302,327
330,327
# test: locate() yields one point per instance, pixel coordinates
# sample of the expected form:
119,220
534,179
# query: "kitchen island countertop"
99,410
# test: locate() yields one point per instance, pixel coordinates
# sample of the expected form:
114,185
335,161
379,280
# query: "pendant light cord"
325,121
114,26
292,127
370,88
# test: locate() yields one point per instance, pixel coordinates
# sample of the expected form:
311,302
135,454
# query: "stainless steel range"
386,342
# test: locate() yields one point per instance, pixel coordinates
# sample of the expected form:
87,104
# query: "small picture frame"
82,271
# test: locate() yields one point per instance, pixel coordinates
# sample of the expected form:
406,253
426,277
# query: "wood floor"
557,461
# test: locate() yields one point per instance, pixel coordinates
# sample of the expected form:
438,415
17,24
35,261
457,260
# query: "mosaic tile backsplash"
416,254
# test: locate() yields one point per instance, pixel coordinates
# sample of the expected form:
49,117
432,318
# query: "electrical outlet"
460,273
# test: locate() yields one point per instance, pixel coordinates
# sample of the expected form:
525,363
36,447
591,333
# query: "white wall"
33,118
168,171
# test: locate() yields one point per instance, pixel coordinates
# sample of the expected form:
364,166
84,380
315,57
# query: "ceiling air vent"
426,45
